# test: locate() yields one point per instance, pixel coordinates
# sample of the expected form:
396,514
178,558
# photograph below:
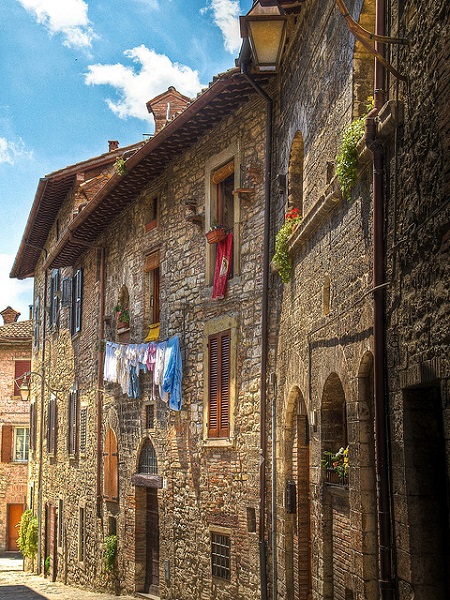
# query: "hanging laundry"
173,373
110,362
224,259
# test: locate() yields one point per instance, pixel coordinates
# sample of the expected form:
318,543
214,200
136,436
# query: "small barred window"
220,556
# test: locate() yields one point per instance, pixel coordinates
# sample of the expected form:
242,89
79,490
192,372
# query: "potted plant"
110,552
336,464
217,233
281,260
122,317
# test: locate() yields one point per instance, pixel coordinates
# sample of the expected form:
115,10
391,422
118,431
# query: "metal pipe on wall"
100,379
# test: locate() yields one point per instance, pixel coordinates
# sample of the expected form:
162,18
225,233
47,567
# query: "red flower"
293,214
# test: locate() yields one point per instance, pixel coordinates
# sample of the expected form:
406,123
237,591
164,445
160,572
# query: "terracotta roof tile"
22,330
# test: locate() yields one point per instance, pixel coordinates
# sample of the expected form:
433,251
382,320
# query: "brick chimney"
113,145
165,106
9,315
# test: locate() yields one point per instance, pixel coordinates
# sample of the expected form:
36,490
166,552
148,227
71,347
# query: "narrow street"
15,584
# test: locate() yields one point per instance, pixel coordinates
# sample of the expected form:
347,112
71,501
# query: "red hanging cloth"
224,257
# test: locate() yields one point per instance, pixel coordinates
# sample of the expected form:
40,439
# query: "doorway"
427,493
152,543
14,513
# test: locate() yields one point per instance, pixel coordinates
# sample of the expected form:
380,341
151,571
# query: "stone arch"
366,466
333,437
295,173
363,63
147,461
296,475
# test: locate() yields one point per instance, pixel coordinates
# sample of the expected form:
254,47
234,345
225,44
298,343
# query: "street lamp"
264,26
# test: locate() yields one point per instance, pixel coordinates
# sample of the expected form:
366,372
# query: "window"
82,534
150,416
32,440
222,209
21,436
77,301
66,291
220,555
51,425
72,432
83,429
60,522
20,368
110,468
152,214
148,463
151,267
219,384
54,297
36,322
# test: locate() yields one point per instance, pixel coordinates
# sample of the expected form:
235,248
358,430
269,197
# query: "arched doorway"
297,504
147,521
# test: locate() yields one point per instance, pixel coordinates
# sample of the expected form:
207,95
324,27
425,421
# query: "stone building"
15,360
229,495
179,486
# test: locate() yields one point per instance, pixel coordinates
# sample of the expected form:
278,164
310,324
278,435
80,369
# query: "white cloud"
226,17
68,17
137,86
11,151
14,292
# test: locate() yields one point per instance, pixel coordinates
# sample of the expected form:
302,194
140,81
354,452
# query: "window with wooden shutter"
51,426
110,468
219,384
54,297
72,432
32,426
7,435
77,301
20,368
151,267
83,429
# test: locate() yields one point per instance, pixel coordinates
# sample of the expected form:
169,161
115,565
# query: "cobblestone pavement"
15,584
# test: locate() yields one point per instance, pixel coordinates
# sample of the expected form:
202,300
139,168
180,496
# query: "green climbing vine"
28,534
281,260
119,165
347,158
110,552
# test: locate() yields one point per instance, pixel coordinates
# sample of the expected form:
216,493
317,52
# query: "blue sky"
77,73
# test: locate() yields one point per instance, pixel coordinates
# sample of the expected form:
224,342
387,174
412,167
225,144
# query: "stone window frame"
231,154
82,529
25,449
223,532
223,323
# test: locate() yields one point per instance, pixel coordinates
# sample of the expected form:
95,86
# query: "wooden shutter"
219,384
7,434
32,440
77,301
20,367
73,422
51,426
110,468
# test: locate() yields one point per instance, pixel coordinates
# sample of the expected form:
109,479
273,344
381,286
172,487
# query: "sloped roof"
223,96
50,195
21,331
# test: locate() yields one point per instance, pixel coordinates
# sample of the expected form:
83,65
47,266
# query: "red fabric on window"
224,257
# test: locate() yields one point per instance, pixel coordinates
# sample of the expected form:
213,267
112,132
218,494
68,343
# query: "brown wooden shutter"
224,429
73,423
213,400
7,435
219,384
21,367
110,468
51,426
32,439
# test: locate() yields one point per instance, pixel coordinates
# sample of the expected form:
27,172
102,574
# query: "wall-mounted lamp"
264,26
25,385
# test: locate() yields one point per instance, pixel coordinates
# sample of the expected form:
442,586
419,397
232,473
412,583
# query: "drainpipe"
100,359
41,427
386,577
264,338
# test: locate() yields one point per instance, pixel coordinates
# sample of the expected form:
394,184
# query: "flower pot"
123,325
216,235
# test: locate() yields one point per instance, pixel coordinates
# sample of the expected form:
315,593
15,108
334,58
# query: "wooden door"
152,550
14,513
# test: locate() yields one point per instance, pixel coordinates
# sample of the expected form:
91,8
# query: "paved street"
17,585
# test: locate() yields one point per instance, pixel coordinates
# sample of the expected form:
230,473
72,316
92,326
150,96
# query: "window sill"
151,225
219,443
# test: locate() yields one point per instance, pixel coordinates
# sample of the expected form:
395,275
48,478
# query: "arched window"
110,468
148,463
295,173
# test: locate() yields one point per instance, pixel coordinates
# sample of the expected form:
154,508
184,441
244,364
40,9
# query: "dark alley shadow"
19,592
